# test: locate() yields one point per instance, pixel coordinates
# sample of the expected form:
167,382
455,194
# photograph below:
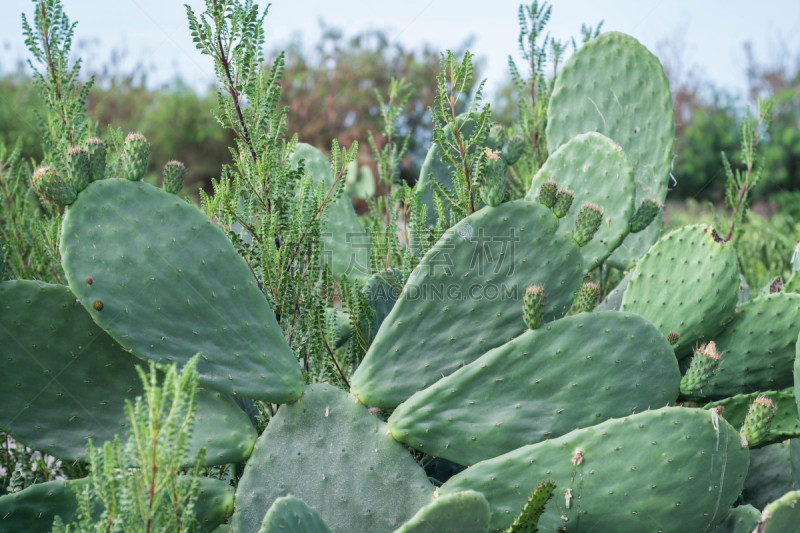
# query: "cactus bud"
516,147
52,187
78,167
134,156
563,203
776,285
96,151
758,421
673,337
703,366
533,306
173,176
588,295
548,193
497,138
644,215
587,223
493,186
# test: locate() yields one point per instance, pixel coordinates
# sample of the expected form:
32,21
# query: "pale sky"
710,34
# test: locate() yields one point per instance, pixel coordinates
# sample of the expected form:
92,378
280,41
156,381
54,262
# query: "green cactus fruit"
173,176
535,388
493,186
741,519
96,150
547,194
528,520
757,347
329,451
515,149
33,509
758,421
673,469
135,156
289,514
168,283
462,512
588,295
704,365
50,186
784,426
613,85
687,282
781,516
596,169
78,166
563,202
533,306
497,138
465,297
587,224
673,337
769,476
646,213
345,243
49,329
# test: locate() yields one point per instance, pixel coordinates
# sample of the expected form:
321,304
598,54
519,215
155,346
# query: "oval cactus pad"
166,283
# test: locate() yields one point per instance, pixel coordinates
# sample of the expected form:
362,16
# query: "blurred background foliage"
329,87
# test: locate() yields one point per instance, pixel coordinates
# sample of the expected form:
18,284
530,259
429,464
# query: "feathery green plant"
145,485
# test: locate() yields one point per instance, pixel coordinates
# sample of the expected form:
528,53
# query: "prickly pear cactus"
741,519
166,283
784,426
329,451
769,476
292,514
71,381
613,85
674,469
537,387
782,515
596,169
462,512
465,297
687,283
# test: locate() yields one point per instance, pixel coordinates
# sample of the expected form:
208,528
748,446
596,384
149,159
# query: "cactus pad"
613,85
573,373
329,451
782,515
769,476
674,469
741,519
597,170
687,283
465,297
167,283
289,514
461,512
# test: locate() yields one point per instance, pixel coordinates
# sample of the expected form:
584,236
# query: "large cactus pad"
465,297
573,373
166,283
615,86
674,469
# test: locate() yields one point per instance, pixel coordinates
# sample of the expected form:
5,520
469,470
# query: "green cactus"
461,512
674,469
329,451
586,225
769,476
563,202
687,283
493,187
536,388
166,283
597,170
292,514
533,303
782,515
464,298
741,519
647,211
78,167
528,520
587,297
547,194
515,149
50,186
135,157
613,85
755,428
703,366
173,176
784,426
96,150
